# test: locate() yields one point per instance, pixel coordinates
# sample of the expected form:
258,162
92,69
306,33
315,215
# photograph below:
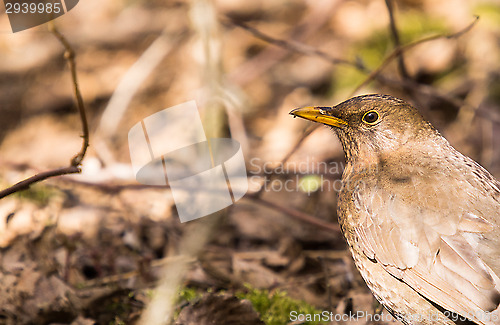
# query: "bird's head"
373,125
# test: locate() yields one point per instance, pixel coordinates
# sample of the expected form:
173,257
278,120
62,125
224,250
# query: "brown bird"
422,220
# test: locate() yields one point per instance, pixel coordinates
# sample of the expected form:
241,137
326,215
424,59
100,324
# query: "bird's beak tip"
294,111
318,114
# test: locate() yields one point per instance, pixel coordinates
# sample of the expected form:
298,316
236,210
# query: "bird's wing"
432,253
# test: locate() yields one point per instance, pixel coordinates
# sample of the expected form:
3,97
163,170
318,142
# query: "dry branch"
400,49
74,168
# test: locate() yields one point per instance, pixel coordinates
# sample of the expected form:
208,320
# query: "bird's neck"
396,159
405,147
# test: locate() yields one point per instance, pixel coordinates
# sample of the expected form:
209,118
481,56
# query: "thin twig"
25,184
74,168
397,43
316,15
398,50
69,55
296,214
295,46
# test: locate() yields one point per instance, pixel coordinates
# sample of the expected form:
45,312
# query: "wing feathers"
435,289
473,223
433,254
458,256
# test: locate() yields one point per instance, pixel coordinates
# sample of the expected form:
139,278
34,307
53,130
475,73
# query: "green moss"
39,194
414,25
411,26
117,321
188,294
275,308
81,285
347,78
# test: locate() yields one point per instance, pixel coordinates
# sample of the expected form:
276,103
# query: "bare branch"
398,50
295,46
74,168
69,55
397,43
25,184
296,214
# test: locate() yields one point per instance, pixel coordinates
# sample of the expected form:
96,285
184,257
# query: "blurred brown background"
247,64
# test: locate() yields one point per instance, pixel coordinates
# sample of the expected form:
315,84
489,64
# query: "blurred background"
89,248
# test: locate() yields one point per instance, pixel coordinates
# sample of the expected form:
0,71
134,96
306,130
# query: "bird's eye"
371,117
